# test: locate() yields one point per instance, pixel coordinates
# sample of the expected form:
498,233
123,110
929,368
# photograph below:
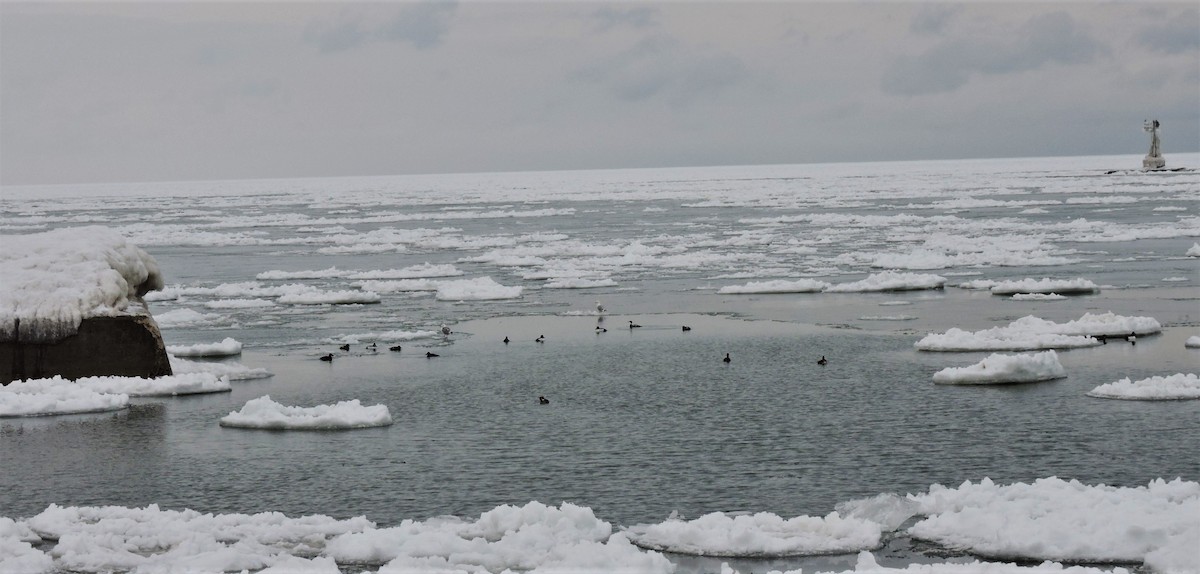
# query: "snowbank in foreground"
479,289
52,281
56,396
1059,286
759,535
997,368
1172,387
1054,519
264,413
1032,333
891,281
226,348
777,286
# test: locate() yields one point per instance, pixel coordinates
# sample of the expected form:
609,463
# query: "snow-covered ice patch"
226,348
478,289
1032,333
776,286
1054,519
1194,250
887,318
239,304
188,318
579,283
1172,387
273,275
1174,279
50,282
890,281
998,368
264,413
319,297
866,564
759,535
388,336
1038,297
1192,342
168,386
55,396
1059,286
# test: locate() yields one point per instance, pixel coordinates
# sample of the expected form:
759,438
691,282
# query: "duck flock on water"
600,309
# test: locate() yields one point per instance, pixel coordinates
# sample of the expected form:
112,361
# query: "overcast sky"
98,92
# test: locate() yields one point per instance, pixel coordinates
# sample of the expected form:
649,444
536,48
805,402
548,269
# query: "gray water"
644,422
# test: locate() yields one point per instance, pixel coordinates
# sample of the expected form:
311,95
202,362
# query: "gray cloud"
422,25
608,17
660,66
933,19
1049,39
1176,36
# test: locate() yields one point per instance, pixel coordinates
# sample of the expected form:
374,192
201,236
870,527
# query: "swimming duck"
727,359
445,330
429,355
633,325
822,361
505,340
328,358
540,339
686,328
345,347
543,401
600,329
396,348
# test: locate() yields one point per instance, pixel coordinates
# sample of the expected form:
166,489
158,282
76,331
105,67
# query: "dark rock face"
127,346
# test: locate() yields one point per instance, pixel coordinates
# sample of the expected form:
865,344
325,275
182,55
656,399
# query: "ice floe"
226,348
264,413
231,371
1055,519
1194,250
1171,387
1038,297
51,281
890,281
189,318
1059,286
758,535
55,396
313,296
389,336
777,286
1192,342
998,368
478,289
1032,333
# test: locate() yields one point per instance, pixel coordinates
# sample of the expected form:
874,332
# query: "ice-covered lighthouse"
1154,159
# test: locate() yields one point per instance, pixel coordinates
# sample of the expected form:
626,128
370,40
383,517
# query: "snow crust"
264,413
1033,333
1055,519
998,368
57,396
51,281
1171,387
1059,286
759,535
226,348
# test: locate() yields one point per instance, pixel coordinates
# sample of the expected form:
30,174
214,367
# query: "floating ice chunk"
1192,342
866,564
16,552
330,273
1032,333
777,286
478,289
318,297
579,283
891,281
52,281
1053,519
264,413
239,304
1038,297
55,396
1175,279
171,385
1171,387
534,537
888,510
422,271
399,285
112,538
188,318
1194,250
758,535
226,348
997,368
231,371
978,284
1060,286
395,335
